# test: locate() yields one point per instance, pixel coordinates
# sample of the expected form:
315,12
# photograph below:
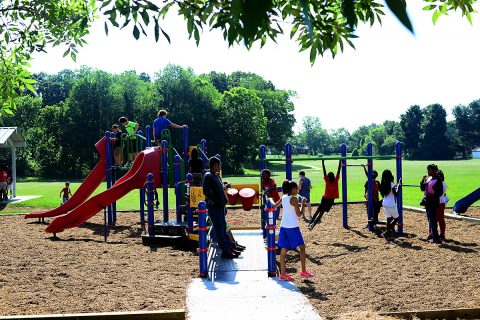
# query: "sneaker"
429,237
229,255
286,277
306,274
310,227
442,237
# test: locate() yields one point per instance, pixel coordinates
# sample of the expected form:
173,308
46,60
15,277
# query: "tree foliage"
28,26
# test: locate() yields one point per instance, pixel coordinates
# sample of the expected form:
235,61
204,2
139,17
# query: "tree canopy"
28,26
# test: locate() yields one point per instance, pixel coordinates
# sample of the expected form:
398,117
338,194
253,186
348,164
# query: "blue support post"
343,150
263,165
113,180
203,143
150,196
142,205
165,179
188,182
370,208
105,227
148,136
185,145
202,238
398,153
288,161
177,162
271,246
108,165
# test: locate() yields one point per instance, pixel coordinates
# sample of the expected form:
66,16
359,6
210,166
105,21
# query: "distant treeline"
425,132
72,110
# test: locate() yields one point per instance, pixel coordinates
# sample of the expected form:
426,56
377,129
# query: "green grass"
462,177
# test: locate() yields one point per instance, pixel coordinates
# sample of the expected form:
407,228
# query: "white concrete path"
241,289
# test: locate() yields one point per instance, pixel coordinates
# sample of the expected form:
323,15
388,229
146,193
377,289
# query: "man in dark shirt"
214,191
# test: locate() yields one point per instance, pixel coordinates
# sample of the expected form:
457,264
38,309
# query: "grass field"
462,177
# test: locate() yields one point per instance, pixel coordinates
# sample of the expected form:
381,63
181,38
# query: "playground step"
241,289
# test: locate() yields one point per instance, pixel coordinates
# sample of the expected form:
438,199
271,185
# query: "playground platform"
241,288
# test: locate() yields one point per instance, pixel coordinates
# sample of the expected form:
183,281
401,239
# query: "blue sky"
390,69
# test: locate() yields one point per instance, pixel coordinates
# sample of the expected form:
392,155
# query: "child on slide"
290,236
331,193
389,191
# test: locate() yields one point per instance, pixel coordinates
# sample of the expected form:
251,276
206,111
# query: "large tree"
317,138
411,124
434,143
467,119
27,26
243,127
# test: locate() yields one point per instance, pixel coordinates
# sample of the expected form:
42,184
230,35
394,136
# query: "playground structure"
154,167
344,158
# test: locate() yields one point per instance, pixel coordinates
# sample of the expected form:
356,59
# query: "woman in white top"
388,190
441,208
290,236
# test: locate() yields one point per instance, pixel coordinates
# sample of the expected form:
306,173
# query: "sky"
389,71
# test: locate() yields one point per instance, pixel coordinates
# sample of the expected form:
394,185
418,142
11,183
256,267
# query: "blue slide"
461,206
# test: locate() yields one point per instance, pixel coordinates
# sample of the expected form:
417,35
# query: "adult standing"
162,123
433,189
214,190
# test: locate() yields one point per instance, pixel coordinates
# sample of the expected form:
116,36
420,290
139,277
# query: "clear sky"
390,69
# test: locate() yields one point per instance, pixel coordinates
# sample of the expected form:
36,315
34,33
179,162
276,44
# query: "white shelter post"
14,170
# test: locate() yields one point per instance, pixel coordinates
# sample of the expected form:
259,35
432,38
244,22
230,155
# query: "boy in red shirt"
66,192
331,193
269,187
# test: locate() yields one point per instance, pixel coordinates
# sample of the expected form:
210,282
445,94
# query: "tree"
466,121
358,137
243,127
316,138
338,137
434,144
54,88
317,26
411,124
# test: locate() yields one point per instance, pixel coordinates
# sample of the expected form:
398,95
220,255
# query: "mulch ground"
355,270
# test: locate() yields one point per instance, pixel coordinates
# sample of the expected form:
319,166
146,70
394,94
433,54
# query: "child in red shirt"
66,192
331,193
269,187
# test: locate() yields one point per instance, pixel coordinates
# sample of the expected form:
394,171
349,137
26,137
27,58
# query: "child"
162,123
377,203
269,187
195,167
3,184
131,128
441,208
10,184
433,189
304,187
117,144
66,192
389,191
331,193
290,236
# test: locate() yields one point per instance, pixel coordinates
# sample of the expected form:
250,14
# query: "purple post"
188,204
165,179
151,218
185,145
343,150
288,161
370,199
263,215
271,247
148,136
177,162
398,154
108,164
202,238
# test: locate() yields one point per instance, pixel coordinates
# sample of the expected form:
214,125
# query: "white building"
12,139
476,153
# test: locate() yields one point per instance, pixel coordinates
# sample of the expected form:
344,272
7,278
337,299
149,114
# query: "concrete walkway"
18,199
241,289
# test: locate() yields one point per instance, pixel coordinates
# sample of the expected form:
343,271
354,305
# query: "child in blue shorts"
290,236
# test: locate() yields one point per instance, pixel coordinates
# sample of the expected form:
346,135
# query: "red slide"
148,161
93,180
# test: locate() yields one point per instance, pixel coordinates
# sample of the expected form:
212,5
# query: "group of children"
296,197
